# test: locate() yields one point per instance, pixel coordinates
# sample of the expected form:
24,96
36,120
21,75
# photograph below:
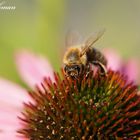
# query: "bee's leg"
102,67
87,70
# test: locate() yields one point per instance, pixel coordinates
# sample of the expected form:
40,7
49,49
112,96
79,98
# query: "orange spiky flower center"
90,108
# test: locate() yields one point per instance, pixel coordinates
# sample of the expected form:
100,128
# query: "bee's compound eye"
65,68
77,68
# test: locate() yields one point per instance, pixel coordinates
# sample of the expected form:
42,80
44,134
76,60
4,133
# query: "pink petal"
114,60
11,105
8,126
33,68
10,136
131,69
12,95
9,120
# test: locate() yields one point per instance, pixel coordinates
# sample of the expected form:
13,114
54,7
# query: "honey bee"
78,58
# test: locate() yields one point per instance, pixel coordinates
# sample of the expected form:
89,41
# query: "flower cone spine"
93,107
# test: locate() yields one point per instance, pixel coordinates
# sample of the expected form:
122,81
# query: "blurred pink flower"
32,69
130,68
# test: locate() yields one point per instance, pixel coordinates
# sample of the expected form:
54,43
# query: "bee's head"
73,71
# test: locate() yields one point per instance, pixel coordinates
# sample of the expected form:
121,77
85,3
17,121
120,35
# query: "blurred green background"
35,25
39,25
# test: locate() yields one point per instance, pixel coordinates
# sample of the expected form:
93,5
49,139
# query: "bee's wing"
91,40
72,38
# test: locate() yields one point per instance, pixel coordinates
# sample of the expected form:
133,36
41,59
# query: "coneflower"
90,108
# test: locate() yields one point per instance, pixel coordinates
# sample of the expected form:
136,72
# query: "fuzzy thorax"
72,56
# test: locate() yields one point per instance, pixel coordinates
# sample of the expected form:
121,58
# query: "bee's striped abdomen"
95,55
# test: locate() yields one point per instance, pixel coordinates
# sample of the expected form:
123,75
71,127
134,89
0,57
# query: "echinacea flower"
92,107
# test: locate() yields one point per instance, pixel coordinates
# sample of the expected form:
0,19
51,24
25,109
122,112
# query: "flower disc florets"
90,108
